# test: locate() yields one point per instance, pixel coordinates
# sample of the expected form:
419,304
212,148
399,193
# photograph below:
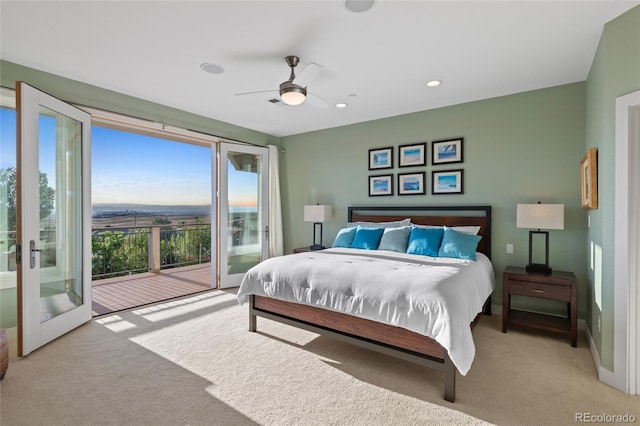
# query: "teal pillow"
459,245
344,237
395,239
367,238
425,241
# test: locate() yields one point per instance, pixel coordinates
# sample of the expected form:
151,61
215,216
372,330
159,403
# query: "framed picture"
447,181
412,155
411,183
381,158
380,185
447,151
589,180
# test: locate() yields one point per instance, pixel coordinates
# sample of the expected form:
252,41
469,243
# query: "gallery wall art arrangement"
443,152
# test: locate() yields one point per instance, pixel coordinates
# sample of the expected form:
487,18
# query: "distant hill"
111,210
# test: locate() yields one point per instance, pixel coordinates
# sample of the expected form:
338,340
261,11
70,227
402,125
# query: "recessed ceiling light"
341,105
434,83
358,5
211,68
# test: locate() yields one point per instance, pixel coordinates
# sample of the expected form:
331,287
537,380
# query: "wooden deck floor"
116,294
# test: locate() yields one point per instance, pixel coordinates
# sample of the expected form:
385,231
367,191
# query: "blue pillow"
367,238
395,239
459,245
344,237
425,241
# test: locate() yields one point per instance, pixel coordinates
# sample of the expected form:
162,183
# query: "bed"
428,323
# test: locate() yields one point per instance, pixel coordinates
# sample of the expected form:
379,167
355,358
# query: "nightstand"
559,285
302,249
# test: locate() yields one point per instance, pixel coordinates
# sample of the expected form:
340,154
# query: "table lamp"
540,216
317,214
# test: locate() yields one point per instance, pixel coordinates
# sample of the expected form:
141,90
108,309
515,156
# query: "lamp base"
538,268
316,247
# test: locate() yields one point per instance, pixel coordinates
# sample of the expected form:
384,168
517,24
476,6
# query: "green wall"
615,72
521,148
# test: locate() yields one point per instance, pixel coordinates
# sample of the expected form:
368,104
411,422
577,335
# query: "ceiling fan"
294,91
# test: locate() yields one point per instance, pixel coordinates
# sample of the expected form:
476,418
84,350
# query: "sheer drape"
275,210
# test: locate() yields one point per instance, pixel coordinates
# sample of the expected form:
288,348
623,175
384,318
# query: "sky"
137,169
131,168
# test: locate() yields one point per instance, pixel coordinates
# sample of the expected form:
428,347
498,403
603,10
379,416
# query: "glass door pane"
60,216
244,224
243,211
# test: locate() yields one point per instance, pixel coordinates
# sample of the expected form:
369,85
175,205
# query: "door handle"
32,256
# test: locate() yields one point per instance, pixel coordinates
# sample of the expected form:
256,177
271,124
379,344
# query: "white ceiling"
153,50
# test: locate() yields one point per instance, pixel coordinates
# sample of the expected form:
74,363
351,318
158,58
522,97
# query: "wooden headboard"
431,215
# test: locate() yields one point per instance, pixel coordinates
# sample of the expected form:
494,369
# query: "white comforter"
433,296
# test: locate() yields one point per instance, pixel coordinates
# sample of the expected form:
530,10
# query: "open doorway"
151,218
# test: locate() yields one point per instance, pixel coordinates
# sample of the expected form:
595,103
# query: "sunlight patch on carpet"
174,308
116,323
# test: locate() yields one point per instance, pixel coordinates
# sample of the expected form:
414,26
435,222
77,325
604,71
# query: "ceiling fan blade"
308,74
257,92
316,101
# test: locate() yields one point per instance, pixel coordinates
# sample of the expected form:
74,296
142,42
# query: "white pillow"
472,230
396,224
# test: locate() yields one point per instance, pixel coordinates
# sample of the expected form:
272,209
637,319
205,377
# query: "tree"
8,198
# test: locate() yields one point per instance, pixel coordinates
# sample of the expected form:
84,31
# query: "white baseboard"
604,375
496,310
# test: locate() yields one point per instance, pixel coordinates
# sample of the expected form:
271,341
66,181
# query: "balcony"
136,266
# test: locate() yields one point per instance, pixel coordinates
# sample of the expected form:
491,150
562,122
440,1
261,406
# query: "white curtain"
275,209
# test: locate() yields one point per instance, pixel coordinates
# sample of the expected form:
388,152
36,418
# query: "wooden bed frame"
383,338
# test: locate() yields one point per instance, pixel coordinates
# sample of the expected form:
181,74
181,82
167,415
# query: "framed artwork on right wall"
589,180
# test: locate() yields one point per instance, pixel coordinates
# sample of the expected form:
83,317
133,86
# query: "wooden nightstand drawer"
543,291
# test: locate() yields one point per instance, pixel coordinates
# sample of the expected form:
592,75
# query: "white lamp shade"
540,216
317,213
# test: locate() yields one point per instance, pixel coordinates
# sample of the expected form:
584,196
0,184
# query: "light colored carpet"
193,362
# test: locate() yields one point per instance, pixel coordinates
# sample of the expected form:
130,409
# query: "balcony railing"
125,251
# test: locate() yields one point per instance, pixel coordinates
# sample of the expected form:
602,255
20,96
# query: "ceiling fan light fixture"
292,94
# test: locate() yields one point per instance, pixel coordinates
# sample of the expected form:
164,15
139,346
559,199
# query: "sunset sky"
132,168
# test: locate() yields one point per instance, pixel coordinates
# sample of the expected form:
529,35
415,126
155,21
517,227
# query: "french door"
53,218
243,218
